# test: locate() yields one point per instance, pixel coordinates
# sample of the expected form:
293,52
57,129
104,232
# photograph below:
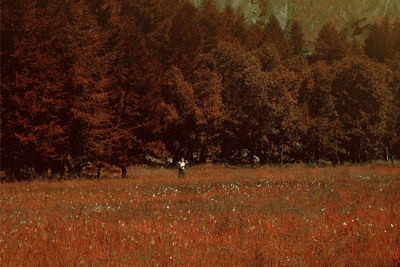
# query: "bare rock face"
350,15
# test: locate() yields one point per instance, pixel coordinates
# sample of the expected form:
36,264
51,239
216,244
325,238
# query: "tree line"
114,81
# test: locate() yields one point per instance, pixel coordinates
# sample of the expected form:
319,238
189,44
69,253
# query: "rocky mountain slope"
350,15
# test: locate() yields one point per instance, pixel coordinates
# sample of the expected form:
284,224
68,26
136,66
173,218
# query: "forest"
116,82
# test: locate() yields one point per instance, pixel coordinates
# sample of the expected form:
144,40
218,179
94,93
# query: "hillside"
312,14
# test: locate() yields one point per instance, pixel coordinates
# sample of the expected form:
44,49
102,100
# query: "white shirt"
182,164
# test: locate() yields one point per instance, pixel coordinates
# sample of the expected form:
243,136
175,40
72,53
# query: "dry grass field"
215,216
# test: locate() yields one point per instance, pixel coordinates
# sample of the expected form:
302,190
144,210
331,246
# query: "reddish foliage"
116,82
215,216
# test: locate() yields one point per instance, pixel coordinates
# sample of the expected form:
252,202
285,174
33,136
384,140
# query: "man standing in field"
182,165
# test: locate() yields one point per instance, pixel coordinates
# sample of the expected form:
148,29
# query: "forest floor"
215,216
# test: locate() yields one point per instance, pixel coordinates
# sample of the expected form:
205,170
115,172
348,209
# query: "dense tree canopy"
116,82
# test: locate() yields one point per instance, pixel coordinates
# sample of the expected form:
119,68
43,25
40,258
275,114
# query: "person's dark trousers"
181,173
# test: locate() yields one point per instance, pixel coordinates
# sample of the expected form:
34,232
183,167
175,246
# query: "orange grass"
215,216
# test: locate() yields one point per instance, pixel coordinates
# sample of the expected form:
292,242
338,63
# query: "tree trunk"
123,171
203,154
98,171
387,153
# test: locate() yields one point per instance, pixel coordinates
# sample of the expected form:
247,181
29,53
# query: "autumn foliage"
114,82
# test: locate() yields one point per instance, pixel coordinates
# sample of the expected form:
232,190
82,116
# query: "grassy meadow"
215,216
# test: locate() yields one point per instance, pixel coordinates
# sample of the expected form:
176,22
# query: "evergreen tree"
207,87
178,94
186,37
237,69
392,134
296,39
286,117
275,35
234,29
325,135
139,110
331,45
380,42
34,131
209,21
255,37
396,33
92,129
268,56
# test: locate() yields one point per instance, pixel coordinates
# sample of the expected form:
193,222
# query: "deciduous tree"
361,88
